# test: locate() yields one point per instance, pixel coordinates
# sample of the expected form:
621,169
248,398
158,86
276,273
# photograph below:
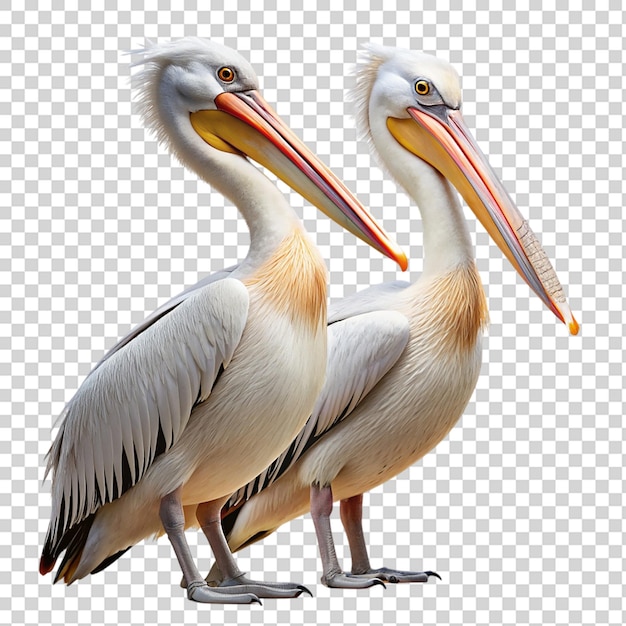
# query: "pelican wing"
136,404
164,309
362,348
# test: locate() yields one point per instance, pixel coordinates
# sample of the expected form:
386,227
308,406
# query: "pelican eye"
422,87
226,74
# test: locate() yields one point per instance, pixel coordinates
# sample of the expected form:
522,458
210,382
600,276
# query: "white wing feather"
164,309
140,398
376,298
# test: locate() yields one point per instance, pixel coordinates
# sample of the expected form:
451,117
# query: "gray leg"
232,580
351,511
352,520
173,519
333,575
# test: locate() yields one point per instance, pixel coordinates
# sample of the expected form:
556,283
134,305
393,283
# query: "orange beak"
245,124
440,137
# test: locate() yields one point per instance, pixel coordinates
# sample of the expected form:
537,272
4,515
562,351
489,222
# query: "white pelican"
403,358
199,398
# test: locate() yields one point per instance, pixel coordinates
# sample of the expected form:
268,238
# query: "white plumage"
199,398
403,359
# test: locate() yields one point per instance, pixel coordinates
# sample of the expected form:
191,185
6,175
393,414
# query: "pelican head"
201,99
419,97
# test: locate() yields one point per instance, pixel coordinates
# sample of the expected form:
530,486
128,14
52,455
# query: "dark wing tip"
46,563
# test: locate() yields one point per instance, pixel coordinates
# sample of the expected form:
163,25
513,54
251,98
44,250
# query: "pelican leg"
352,519
229,578
173,520
332,575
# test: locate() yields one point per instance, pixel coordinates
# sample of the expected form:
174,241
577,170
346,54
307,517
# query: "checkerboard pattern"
521,508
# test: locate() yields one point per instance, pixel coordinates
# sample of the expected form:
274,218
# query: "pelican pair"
402,359
215,384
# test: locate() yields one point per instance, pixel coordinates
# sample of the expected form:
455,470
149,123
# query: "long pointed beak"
442,139
244,123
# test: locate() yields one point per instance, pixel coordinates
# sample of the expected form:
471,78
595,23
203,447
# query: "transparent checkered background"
521,508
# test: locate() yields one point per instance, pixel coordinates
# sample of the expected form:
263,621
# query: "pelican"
403,359
199,398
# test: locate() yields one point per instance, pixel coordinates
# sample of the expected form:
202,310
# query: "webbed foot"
199,591
398,576
350,581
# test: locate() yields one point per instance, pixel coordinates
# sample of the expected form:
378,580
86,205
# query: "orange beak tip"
566,316
573,326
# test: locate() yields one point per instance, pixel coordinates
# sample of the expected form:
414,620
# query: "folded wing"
136,403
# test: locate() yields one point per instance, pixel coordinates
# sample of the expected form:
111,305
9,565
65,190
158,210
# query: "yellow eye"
422,87
226,74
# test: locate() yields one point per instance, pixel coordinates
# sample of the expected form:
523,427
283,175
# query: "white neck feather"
264,208
446,238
